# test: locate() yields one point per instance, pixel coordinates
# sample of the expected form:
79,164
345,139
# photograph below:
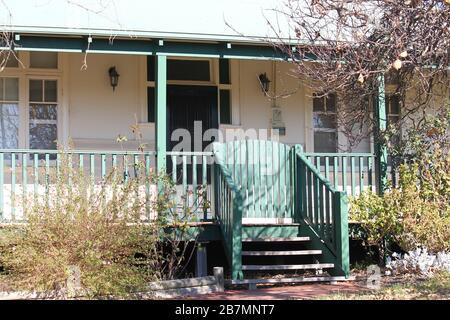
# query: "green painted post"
299,179
380,147
341,234
161,114
236,243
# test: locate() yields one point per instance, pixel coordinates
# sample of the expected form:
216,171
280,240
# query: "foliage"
107,229
415,213
419,261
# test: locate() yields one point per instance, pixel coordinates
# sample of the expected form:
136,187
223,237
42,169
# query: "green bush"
100,231
416,213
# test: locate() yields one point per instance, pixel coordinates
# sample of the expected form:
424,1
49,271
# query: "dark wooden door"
186,106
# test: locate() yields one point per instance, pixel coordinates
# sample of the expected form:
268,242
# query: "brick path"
304,291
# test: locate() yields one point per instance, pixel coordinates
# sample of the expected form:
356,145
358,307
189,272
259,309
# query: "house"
85,76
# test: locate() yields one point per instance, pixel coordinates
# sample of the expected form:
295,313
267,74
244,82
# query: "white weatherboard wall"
256,108
97,115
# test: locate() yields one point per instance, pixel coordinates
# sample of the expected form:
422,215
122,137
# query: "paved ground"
304,291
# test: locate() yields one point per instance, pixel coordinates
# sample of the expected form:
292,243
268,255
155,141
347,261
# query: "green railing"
28,173
348,172
228,209
324,211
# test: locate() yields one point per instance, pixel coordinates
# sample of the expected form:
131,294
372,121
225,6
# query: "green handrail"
229,204
324,210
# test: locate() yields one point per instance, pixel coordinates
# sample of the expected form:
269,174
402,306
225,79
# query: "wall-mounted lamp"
113,77
264,82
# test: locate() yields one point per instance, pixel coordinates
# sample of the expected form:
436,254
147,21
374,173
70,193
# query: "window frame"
24,73
58,103
325,112
17,102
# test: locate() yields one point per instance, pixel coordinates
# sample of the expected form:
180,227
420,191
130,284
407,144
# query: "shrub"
416,213
102,231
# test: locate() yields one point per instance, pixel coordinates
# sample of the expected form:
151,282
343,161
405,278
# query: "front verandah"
24,173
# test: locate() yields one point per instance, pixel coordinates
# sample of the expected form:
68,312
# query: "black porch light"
113,77
265,82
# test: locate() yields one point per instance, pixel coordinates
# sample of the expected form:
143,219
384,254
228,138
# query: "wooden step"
288,266
269,239
289,280
281,253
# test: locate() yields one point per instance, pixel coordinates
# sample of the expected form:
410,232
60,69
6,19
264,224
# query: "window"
324,120
393,115
43,110
224,71
44,60
188,70
393,109
9,113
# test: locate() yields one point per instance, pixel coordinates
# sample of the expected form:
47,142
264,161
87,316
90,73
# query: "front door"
188,105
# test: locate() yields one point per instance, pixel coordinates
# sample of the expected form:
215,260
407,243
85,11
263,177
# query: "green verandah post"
341,229
161,114
381,148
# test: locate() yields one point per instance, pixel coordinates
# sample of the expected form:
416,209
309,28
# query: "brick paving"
294,292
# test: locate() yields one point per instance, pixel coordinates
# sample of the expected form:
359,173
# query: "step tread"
288,266
290,280
282,253
276,239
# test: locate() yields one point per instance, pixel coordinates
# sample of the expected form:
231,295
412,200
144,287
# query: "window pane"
318,104
331,102
325,142
194,70
394,104
225,107
43,112
325,121
151,68
9,126
43,136
36,91
151,104
393,119
224,71
11,89
44,60
50,91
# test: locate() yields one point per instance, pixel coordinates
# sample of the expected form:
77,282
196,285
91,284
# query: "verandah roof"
169,19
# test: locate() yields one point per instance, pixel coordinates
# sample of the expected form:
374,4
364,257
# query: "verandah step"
277,239
288,266
281,253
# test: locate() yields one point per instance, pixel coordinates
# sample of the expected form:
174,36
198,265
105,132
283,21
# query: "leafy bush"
416,213
102,230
